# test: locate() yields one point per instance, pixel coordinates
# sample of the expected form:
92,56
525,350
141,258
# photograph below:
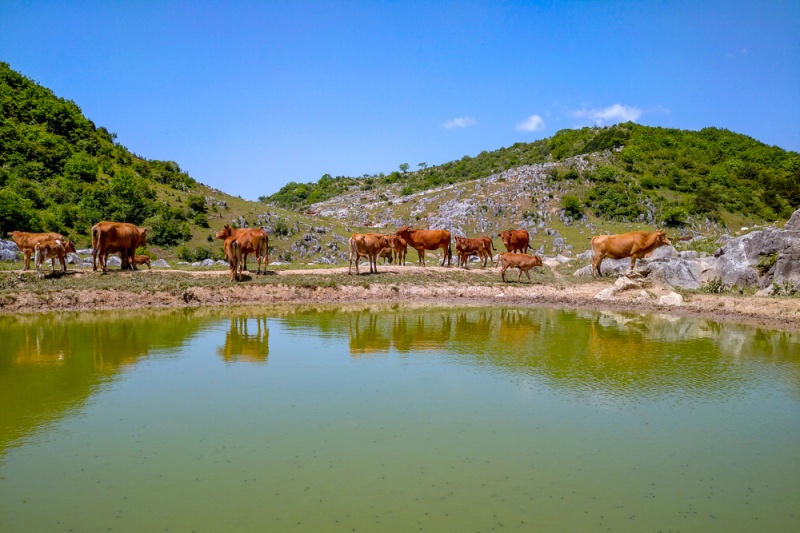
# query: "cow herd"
124,238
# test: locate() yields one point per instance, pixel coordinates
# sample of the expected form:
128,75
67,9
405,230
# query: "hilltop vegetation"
60,172
701,173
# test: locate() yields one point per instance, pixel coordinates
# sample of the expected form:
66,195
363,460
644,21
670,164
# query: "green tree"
404,167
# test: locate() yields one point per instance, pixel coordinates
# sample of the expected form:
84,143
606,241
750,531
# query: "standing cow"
233,254
26,242
111,237
369,245
252,241
635,244
516,240
427,239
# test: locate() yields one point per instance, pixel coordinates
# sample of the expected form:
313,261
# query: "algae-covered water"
380,419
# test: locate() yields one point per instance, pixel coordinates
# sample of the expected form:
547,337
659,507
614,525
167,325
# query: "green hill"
706,173
61,172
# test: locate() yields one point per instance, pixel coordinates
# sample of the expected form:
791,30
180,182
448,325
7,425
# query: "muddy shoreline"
772,313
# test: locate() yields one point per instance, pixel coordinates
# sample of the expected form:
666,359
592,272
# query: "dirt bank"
394,284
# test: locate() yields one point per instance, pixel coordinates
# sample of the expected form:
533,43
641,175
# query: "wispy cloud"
610,115
460,122
742,52
532,123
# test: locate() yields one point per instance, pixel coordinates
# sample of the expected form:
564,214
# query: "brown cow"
400,247
112,237
477,246
233,254
26,242
523,262
635,244
52,249
251,241
141,260
387,253
427,239
516,240
366,244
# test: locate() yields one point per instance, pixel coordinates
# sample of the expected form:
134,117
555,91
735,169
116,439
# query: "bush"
675,217
572,206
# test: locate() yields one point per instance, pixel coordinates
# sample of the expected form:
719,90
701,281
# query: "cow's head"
506,236
142,236
403,230
225,232
69,246
662,239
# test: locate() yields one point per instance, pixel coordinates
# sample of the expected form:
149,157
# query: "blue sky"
248,96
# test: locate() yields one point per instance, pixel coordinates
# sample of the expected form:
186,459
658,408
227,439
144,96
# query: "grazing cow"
400,247
523,262
233,254
427,239
141,260
112,237
251,241
26,242
636,245
477,246
368,245
516,240
52,249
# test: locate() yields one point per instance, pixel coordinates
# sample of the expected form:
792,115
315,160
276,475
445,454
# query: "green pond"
374,418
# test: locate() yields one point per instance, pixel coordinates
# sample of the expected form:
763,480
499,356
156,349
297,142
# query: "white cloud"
610,115
461,122
532,123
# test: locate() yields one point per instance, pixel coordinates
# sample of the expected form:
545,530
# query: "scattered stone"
672,299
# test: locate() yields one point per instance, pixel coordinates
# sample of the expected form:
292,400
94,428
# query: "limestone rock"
672,298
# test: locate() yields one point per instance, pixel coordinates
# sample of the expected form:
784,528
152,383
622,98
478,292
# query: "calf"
523,262
52,249
636,245
478,246
141,260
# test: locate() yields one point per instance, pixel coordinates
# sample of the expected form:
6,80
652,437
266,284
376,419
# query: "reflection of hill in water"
52,364
608,353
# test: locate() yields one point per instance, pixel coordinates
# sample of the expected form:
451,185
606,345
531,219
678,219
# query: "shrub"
572,205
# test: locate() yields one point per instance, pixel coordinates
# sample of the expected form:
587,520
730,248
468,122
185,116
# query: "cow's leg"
596,260
633,262
102,256
27,258
529,276
503,271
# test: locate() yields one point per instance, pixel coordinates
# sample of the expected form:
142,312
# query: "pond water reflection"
379,418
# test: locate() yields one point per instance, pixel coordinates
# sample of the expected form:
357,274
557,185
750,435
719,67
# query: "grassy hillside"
705,173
